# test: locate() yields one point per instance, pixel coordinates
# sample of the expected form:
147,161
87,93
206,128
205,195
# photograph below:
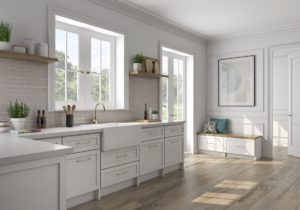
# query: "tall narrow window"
173,88
85,73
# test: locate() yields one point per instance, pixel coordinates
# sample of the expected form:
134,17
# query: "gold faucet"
94,117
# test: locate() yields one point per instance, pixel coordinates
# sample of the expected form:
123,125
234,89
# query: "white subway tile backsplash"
28,82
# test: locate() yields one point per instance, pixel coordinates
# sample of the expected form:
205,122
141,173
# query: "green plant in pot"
5,35
18,112
137,61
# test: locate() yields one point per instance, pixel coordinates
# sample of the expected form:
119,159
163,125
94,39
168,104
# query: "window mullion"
100,73
66,66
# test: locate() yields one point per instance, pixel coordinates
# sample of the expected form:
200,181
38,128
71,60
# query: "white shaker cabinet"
173,150
82,173
151,156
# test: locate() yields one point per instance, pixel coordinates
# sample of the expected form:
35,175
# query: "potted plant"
137,61
18,112
5,35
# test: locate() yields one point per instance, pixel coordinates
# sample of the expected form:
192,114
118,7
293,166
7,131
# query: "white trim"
130,10
272,51
259,32
189,54
53,10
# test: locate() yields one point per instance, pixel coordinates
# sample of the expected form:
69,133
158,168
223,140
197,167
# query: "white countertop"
15,149
21,148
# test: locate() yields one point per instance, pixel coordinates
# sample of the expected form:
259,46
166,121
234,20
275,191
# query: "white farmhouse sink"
120,136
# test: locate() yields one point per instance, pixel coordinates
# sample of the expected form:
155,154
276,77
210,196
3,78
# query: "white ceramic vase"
18,123
4,46
137,67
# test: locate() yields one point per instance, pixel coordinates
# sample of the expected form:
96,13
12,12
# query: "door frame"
189,52
272,50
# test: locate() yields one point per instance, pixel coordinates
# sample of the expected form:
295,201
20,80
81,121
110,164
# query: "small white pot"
18,123
137,67
4,46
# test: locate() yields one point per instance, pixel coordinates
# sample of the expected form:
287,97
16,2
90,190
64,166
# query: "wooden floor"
210,182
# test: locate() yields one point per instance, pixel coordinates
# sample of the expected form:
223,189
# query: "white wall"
250,120
280,100
30,20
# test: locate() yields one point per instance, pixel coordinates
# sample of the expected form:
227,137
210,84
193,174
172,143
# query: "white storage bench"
231,145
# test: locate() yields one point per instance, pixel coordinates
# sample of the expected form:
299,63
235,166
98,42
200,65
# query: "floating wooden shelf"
149,75
26,57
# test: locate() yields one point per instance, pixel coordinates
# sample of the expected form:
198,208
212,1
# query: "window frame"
171,56
87,35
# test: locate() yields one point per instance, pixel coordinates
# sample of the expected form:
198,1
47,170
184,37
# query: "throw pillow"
210,127
222,125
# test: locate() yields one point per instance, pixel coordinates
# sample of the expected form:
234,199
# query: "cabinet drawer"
211,143
173,150
82,170
174,130
240,146
119,174
83,142
52,140
152,133
151,156
118,157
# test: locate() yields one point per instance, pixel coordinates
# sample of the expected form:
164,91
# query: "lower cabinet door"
151,156
82,172
173,150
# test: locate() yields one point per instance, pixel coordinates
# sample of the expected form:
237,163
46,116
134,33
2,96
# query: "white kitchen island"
32,174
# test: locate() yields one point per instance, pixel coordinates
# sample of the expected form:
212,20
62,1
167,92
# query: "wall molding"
138,13
256,33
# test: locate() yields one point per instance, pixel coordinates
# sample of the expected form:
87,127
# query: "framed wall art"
236,82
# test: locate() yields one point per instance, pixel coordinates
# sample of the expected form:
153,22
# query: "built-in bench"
231,145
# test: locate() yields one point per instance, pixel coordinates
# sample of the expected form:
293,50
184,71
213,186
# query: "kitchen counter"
21,148
15,149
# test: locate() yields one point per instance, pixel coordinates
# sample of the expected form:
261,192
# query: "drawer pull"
121,156
174,141
83,143
122,173
83,160
152,146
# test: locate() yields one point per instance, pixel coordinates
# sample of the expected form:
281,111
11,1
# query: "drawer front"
174,130
241,147
151,156
152,133
118,157
119,174
173,150
83,142
53,140
211,143
82,170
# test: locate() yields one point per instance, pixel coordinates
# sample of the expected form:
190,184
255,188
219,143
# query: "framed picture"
236,82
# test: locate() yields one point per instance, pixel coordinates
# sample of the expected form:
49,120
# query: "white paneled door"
294,104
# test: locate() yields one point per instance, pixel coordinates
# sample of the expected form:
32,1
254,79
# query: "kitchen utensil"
65,109
73,108
69,108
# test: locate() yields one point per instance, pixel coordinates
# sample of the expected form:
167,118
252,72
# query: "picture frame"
236,81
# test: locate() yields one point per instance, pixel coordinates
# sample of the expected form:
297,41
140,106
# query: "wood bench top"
230,135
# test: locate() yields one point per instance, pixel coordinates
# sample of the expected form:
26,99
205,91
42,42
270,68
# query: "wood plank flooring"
210,182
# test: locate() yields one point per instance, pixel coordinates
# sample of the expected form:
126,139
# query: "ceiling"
213,18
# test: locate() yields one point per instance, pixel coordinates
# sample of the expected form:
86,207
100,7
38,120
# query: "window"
85,73
173,88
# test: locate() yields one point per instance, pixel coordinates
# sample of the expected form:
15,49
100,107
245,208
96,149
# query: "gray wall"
30,20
